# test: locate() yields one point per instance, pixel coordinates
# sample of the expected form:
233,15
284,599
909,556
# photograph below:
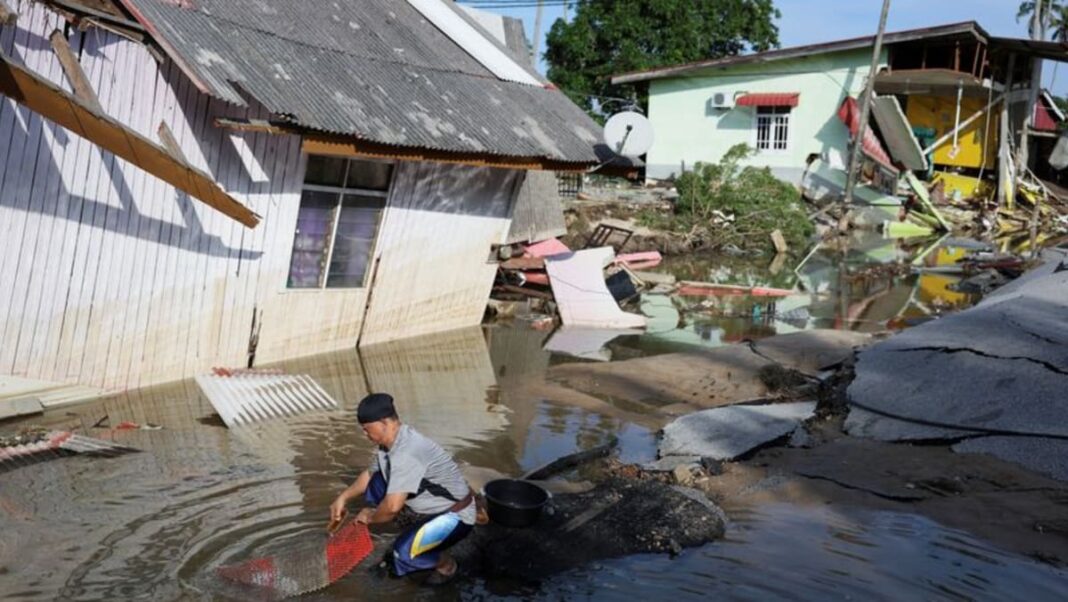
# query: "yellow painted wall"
967,186
939,112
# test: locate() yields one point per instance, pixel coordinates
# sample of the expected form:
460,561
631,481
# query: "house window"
340,209
772,128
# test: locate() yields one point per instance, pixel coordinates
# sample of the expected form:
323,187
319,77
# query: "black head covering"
375,407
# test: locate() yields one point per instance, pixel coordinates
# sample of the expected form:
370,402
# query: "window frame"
773,114
341,191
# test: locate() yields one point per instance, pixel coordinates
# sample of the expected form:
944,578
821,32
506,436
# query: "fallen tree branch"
570,461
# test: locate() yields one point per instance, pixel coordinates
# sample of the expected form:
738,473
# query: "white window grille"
340,210
772,128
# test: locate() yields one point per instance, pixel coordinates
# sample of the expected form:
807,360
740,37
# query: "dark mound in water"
617,518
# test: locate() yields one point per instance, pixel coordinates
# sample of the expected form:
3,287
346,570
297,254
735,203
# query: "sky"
815,21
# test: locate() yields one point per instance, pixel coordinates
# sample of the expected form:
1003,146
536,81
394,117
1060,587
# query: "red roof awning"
849,113
768,99
1043,119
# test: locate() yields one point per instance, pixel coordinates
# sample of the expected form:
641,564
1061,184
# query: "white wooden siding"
434,270
111,278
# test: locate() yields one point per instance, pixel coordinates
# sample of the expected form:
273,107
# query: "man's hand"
364,516
337,509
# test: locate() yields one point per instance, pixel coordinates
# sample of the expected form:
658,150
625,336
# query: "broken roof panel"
44,97
372,69
897,132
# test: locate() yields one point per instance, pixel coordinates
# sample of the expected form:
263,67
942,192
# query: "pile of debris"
586,288
31,445
591,287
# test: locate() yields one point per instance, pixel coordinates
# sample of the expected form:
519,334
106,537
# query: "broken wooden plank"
83,90
690,288
43,97
925,199
779,241
251,125
529,292
170,142
523,263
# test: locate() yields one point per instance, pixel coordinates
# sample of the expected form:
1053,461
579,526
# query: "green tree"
1058,23
607,37
1052,12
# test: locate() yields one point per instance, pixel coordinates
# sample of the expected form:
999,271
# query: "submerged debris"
618,518
37,444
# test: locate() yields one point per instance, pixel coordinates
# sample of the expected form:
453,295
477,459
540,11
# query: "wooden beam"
43,97
983,65
83,90
253,125
170,142
7,16
351,147
523,263
1042,133
340,146
529,292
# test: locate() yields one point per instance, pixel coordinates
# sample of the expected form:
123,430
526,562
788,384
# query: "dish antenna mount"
628,134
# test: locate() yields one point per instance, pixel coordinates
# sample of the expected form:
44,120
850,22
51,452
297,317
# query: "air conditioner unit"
721,100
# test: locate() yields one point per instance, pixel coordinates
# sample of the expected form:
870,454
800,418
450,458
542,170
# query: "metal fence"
568,184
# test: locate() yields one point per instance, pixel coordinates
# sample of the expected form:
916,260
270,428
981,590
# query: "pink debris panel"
547,248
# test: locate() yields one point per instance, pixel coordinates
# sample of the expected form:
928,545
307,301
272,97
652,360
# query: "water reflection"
864,282
790,552
155,524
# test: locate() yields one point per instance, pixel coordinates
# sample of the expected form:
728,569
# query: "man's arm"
385,512
337,509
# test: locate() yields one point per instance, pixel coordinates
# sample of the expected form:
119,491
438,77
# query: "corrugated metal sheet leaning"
245,396
400,81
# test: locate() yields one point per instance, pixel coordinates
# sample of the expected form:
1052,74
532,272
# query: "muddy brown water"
155,524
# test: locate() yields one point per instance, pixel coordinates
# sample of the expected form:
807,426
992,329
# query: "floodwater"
873,284
156,524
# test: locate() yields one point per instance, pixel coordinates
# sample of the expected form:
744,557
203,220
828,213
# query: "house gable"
690,127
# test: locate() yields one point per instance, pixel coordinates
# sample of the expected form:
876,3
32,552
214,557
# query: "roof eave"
797,51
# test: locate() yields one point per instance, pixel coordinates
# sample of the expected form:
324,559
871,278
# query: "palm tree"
1058,23
1058,27
1027,9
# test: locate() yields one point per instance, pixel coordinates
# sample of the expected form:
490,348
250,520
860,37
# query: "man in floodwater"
410,469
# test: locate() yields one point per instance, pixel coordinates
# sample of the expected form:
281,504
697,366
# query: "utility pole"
865,109
537,33
1038,29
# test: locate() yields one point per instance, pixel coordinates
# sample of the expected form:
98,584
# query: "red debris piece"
346,548
260,572
300,571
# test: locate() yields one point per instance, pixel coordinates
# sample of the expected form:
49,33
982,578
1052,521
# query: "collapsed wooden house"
190,183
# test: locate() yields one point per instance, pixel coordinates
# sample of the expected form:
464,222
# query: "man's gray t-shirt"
417,463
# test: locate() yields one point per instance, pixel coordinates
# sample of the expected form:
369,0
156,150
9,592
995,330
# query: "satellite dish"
628,134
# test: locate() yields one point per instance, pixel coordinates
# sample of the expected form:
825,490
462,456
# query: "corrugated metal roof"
769,99
897,132
373,69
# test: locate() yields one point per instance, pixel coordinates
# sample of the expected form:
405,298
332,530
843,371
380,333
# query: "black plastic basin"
514,503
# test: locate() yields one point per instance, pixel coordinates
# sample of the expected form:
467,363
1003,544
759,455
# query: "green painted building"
784,102
698,117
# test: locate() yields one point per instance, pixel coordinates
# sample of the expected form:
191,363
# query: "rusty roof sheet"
372,69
